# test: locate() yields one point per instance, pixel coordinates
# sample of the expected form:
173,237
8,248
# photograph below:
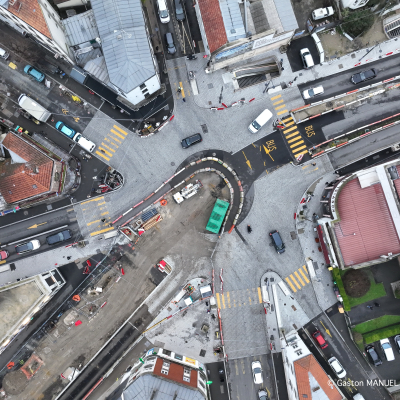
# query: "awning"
323,246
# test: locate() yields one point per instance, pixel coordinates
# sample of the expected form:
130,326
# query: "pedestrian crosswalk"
111,142
291,134
239,298
298,279
96,216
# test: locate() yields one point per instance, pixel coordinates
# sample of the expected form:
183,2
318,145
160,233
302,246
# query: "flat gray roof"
286,14
124,42
233,21
80,28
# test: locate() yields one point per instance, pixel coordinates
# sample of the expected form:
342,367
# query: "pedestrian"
179,90
103,220
184,100
314,164
370,307
377,304
208,311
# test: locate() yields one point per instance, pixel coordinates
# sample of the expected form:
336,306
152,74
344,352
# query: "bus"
217,216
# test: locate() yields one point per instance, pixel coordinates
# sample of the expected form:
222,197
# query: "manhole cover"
214,154
172,163
210,85
300,231
272,279
202,353
204,128
340,66
293,235
209,103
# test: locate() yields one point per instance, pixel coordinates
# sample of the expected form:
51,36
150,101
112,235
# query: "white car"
387,349
320,13
309,93
358,396
307,59
257,372
337,367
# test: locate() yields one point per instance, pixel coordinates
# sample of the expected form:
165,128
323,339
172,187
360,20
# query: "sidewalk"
219,83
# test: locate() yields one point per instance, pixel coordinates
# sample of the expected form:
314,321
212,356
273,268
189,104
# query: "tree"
357,22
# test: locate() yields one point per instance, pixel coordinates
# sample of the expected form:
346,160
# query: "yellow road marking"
300,148
229,299
295,282
121,130
259,295
100,204
282,112
294,139
236,368
298,277
249,300
282,106
277,102
109,148
223,300
303,275
296,144
289,123
182,91
276,97
93,222
218,301
247,161
101,155
292,134
105,151
288,119
290,284
96,199
109,141
290,129
102,231
305,269
12,65
104,213
114,138
302,152
116,133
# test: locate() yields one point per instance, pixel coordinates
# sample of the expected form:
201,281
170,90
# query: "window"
146,95
202,384
34,186
165,367
178,357
142,86
167,352
186,379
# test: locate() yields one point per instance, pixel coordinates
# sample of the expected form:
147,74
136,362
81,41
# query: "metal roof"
148,386
366,229
124,41
80,28
233,21
286,14
97,67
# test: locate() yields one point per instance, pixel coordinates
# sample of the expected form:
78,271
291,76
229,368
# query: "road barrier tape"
252,99
220,108
126,212
356,65
113,222
149,196
232,228
172,117
214,108
314,116
352,91
388,80
224,105
234,104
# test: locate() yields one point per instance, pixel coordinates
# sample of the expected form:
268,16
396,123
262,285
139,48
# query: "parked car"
397,342
169,40
260,121
221,374
4,54
307,59
65,129
33,72
4,254
87,144
358,396
191,140
59,237
337,367
320,339
263,395
373,355
321,13
179,13
277,242
257,372
387,349
364,76
310,93
27,247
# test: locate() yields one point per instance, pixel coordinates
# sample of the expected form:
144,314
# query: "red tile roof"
309,365
397,181
366,229
31,13
21,180
175,373
213,24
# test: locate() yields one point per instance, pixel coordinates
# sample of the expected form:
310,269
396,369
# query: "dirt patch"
356,283
337,45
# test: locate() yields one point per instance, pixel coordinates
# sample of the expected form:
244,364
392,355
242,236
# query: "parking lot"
293,52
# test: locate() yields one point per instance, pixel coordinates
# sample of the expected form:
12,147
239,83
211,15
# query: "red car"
3,254
320,339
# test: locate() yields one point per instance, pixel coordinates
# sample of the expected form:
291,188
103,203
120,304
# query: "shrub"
357,22
338,279
383,333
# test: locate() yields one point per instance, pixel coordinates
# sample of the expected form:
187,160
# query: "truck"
33,108
187,192
321,13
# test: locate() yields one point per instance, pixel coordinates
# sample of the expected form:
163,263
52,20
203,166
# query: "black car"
397,342
59,237
221,374
364,76
277,242
191,140
373,355
169,40
179,13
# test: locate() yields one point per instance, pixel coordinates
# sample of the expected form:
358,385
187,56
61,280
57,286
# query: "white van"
260,121
35,109
387,349
163,11
84,143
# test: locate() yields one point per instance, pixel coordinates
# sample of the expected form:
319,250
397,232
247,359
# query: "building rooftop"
30,12
80,28
312,381
366,230
125,43
233,21
286,14
27,173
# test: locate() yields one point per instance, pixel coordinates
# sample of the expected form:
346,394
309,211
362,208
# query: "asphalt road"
358,370
293,52
340,82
